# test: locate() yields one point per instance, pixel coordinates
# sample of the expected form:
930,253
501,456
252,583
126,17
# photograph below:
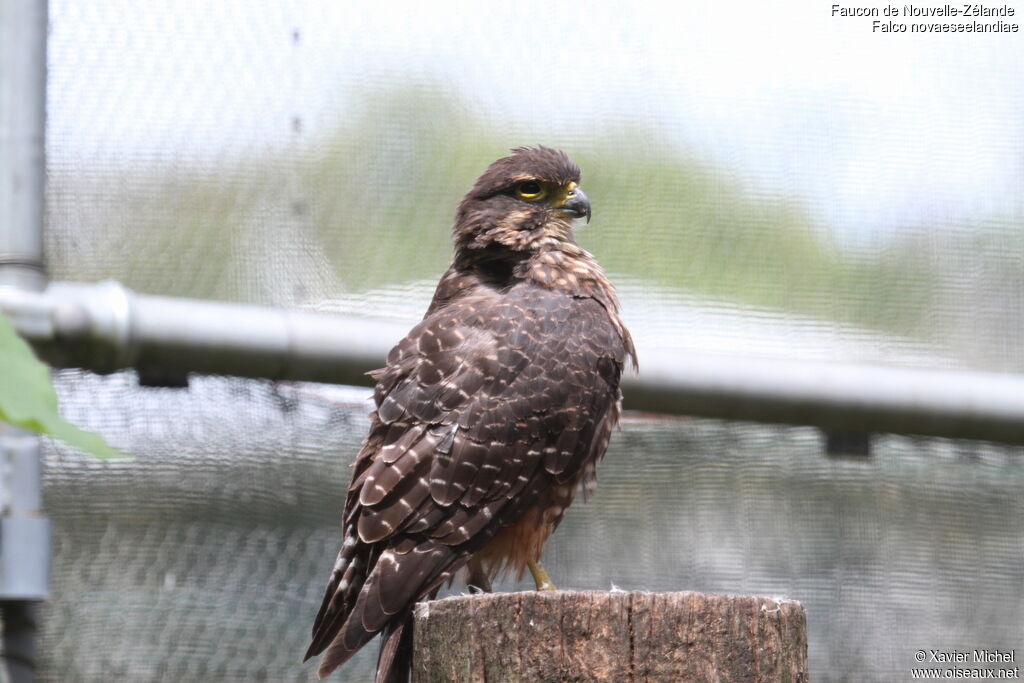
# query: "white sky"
871,130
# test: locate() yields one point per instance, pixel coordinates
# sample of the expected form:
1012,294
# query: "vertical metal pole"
22,138
24,532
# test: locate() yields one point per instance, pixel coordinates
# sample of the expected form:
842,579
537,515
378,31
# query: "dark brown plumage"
490,413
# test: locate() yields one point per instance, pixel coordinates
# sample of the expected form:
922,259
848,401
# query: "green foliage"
371,204
28,400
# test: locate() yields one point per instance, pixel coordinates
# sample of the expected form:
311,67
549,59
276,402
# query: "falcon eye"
530,191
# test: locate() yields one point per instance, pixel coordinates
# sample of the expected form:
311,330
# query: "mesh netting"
753,194
205,557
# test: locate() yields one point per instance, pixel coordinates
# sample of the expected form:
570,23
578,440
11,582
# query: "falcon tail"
395,658
372,590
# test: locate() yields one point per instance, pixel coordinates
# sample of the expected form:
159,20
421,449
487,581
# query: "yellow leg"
540,577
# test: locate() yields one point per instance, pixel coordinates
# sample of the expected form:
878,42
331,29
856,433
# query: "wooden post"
617,636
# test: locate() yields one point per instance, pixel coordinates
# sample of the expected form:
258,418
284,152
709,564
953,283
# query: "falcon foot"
477,581
540,577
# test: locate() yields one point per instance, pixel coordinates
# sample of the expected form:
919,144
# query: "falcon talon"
490,414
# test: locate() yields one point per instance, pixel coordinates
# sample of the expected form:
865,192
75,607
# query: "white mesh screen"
768,180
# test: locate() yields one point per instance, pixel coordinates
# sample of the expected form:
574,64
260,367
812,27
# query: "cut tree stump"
602,636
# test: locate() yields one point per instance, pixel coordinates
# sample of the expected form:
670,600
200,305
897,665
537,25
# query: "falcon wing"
485,404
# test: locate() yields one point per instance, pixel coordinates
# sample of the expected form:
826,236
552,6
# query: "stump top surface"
573,596
610,636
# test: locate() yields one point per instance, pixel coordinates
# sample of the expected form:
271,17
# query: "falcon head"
525,201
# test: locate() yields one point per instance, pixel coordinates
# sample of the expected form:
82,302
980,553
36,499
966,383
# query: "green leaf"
28,399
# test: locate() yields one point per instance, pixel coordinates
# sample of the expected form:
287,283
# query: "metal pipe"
21,623
24,550
24,532
22,141
836,397
105,327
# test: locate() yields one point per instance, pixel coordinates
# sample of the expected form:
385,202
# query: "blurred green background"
371,203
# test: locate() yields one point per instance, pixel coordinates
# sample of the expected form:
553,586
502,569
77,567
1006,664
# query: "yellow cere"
563,194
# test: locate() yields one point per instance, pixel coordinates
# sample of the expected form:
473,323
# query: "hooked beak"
577,204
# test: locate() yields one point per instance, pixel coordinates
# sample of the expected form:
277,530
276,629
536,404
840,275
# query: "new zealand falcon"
490,413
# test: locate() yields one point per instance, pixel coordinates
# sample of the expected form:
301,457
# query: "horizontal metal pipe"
835,397
105,327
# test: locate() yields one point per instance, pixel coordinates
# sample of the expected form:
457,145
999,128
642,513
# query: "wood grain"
610,636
